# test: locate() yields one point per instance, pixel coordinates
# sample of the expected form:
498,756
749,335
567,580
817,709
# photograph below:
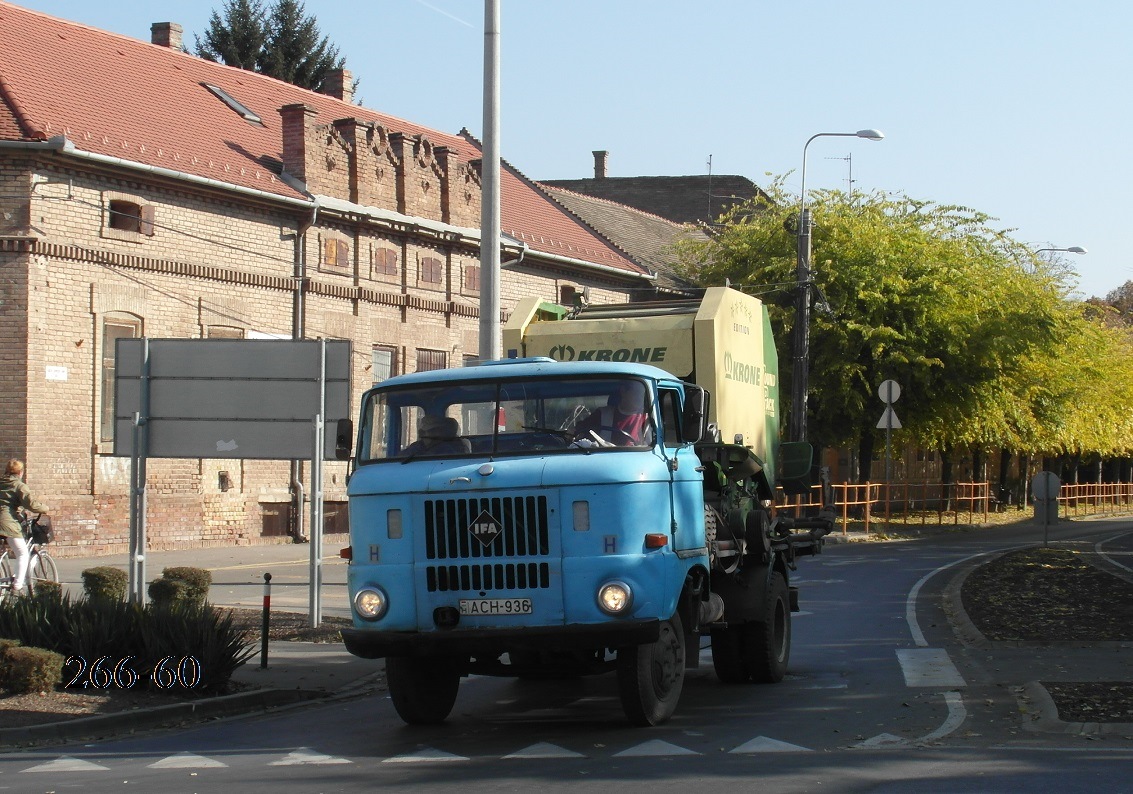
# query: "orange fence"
1095,499
917,503
908,503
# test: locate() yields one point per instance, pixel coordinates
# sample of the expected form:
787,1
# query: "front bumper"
482,642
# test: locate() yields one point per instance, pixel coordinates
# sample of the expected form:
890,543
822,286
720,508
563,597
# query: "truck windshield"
504,418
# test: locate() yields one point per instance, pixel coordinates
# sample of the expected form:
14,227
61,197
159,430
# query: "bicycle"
41,567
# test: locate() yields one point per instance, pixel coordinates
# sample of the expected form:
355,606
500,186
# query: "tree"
281,42
935,298
238,38
294,51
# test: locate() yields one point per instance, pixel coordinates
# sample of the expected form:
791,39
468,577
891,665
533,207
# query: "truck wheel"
726,658
423,689
650,677
766,645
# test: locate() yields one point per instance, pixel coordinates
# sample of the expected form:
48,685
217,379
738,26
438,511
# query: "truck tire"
766,645
423,689
650,677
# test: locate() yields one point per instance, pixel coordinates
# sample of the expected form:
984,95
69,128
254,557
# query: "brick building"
147,192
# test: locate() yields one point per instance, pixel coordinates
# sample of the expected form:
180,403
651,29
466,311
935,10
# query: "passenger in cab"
622,423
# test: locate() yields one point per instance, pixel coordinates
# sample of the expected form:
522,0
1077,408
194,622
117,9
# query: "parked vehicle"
600,502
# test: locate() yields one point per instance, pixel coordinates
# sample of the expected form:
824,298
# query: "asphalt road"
881,696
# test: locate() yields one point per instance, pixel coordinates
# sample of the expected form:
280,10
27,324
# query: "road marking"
654,747
911,600
187,761
426,755
929,667
305,755
762,744
545,750
956,716
67,763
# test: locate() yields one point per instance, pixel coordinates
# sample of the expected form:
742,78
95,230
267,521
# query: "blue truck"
600,501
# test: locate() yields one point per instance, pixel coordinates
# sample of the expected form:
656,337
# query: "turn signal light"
656,541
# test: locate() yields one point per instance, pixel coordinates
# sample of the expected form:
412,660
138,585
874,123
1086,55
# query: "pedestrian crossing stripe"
427,754
654,747
762,744
67,763
305,755
187,761
545,750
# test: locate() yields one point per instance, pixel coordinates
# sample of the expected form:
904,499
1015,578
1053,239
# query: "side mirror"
343,439
795,462
695,413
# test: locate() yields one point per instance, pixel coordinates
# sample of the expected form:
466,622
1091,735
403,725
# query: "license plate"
495,606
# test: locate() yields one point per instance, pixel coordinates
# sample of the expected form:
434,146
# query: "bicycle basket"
41,531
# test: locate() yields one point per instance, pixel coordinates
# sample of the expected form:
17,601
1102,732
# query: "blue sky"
1013,108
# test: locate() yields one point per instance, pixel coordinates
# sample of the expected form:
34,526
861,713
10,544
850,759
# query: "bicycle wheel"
41,569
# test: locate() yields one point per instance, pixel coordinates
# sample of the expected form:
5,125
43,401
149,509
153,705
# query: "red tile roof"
122,97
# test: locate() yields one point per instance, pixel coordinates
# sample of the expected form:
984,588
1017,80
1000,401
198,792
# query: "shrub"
167,592
5,644
31,670
195,585
48,591
106,583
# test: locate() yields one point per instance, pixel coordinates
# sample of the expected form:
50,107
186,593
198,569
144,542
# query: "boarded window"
432,270
336,254
431,359
472,279
129,216
113,328
384,263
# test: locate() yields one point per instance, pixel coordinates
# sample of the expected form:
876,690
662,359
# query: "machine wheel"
41,569
766,645
423,689
650,677
726,658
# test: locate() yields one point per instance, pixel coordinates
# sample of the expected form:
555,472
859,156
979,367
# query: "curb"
1037,707
99,725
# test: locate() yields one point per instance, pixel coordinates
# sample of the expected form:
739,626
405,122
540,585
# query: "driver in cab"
622,423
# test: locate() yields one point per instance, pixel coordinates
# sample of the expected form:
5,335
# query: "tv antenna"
849,160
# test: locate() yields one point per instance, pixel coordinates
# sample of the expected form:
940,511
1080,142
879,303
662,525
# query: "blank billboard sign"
229,398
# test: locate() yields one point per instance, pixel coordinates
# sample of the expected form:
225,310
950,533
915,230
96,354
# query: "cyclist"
14,495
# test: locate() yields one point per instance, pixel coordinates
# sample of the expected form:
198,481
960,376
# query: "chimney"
600,164
297,119
166,34
339,83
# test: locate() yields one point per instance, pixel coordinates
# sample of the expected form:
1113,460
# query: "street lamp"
800,370
1074,249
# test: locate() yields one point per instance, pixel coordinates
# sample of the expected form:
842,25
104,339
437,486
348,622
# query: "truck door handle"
455,480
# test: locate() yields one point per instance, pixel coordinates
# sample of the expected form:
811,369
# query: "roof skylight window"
244,111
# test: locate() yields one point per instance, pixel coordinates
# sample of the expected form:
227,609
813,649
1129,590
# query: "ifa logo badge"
485,528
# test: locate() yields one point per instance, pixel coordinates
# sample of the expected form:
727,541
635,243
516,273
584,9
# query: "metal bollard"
267,622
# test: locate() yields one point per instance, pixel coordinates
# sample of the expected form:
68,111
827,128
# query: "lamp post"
803,277
1074,249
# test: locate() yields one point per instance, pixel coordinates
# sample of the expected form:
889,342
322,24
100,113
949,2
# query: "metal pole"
490,333
316,533
137,561
266,622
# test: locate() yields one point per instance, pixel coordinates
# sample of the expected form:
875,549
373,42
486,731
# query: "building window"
127,218
384,264
335,254
384,362
432,272
567,294
114,327
471,284
431,359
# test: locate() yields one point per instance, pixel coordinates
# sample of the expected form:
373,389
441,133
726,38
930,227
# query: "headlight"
615,598
370,603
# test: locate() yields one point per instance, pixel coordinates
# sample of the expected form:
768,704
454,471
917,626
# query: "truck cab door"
686,481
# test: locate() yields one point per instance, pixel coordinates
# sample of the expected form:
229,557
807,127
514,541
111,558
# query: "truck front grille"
498,529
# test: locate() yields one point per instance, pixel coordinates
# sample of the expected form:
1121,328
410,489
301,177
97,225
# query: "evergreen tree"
281,41
237,38
294,52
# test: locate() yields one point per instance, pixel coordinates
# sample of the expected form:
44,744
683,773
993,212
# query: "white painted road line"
929,667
